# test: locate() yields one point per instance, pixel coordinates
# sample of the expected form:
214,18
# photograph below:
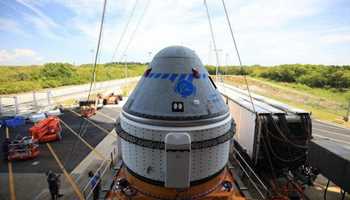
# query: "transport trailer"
283,129
271,136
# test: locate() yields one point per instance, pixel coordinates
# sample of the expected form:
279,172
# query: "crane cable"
238,55
83,123
259,121
93,79
249,93
135,30
124,30
213,40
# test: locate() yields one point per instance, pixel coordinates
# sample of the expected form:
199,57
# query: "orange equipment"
128,187
87,108
47,130
112,99
23,149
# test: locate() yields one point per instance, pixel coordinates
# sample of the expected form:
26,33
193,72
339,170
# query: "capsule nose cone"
177,86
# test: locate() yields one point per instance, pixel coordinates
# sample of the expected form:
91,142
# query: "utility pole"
346,118
218,74
213,40
125,66
226,63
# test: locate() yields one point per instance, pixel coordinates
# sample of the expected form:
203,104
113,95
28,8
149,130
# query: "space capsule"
175,129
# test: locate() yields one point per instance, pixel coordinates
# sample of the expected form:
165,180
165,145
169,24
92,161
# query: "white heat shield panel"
177,160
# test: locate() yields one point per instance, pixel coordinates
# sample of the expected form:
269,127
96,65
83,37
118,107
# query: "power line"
125,29
213,40
237,52
135,30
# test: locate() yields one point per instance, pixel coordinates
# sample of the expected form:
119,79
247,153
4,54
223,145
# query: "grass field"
325,104
51,75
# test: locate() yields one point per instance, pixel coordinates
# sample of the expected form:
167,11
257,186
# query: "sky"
268,32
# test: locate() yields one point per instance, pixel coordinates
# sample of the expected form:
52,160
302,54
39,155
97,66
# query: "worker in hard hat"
95,182
53,181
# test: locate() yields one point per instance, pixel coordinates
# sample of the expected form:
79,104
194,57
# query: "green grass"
325,104
326,93
51,75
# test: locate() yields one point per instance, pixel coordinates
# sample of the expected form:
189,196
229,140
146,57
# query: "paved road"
26,102
331,131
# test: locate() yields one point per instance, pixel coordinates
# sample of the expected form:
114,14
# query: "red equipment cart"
47,130
25,148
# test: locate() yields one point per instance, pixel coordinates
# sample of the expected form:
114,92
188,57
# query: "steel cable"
83,126
213,40
124,30
237,52
135,30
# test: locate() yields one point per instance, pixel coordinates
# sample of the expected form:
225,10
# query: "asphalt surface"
331,131
70,150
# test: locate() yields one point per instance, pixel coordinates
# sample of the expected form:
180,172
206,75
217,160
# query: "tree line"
317,76
50,75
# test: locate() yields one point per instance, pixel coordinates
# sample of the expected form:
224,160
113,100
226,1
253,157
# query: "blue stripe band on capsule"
157,75
165,76
173,77
182,76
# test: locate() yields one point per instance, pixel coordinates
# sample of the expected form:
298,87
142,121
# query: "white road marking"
331,132
331,139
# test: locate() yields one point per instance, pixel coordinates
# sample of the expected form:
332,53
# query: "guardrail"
15,105
101,172
26,103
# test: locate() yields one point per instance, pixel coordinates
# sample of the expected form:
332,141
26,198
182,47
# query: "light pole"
217,51
92,53
125,66
346,118
226,63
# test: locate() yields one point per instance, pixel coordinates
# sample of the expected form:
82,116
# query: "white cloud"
31,5
19,56
11,25
45,25
259,28
258,25
337,38
267,32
